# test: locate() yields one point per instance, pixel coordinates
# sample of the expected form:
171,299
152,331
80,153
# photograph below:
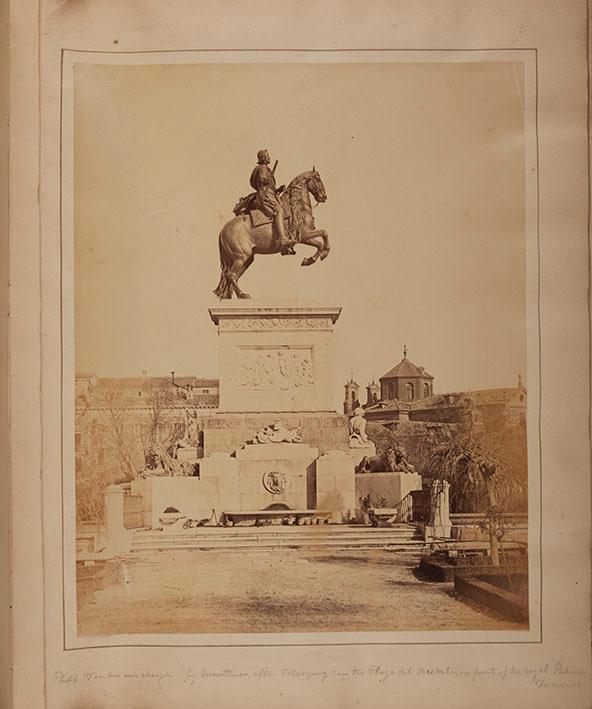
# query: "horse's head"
315,185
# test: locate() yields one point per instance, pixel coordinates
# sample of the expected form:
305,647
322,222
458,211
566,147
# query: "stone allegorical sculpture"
276,433
357,429
394,459
190,439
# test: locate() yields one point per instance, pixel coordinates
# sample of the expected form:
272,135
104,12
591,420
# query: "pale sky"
423,164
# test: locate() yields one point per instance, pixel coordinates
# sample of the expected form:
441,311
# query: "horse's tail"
224,288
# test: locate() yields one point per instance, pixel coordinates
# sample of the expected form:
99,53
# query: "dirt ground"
285,590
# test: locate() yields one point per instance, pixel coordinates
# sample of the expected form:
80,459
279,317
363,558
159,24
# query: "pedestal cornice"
296,312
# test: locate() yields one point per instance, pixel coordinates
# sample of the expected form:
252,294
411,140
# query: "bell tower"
351,396
372,393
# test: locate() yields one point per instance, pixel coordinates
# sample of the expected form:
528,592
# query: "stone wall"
227,432
385,489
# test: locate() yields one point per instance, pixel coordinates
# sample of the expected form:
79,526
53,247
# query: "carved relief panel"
276,368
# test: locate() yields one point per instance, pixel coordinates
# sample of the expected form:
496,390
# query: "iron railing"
132,511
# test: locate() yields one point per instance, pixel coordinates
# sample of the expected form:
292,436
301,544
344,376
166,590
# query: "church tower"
351,396
372,393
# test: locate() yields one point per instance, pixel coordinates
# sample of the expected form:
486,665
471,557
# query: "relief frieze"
290,323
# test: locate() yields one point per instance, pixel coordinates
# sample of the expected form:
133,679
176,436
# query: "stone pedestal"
441,525
275,367
386,489
335,485
256,477
226,432
218,475
276,473
216,489
117,536
275,356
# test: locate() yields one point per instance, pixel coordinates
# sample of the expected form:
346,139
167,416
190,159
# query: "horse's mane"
302,177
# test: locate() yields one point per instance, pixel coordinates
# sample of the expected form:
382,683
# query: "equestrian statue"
270,221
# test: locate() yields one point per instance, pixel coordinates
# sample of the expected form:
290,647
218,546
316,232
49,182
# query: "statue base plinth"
275,356
226,432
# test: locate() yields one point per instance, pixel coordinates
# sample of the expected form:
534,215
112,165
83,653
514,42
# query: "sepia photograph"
304,388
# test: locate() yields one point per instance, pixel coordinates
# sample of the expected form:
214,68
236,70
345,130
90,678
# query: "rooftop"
406,368
137,391
501,395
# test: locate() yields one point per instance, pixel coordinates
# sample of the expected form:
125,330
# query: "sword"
275,164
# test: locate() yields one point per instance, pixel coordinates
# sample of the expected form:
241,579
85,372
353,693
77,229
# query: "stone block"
275,356
117,536
218,465
275,473
326,482
227,432
335,485
385,489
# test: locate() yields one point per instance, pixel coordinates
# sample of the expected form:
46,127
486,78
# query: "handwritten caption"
557,675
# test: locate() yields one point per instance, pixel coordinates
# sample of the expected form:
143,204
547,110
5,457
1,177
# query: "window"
426,390
408,391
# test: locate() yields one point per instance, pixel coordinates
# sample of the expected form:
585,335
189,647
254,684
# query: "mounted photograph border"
535,634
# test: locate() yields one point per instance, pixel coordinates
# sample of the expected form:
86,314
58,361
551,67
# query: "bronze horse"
239,241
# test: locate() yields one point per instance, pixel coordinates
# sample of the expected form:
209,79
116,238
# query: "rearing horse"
239,241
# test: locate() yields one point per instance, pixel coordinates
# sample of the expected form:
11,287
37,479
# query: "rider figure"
263,180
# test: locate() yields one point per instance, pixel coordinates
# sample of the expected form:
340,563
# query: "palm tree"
478,479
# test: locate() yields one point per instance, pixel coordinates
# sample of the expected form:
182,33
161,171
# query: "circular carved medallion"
274,482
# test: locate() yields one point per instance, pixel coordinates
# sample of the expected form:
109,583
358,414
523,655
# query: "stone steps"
400,537
411,545
275,529
264,536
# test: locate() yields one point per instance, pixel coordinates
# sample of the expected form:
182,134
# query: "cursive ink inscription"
551,675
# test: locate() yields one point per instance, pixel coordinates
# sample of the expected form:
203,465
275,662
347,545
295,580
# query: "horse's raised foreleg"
320,240
239,266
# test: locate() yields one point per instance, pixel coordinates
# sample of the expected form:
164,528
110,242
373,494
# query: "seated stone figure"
357,429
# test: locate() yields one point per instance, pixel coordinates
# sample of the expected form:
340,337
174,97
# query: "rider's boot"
286,245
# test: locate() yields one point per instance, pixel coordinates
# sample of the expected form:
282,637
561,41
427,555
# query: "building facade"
421,420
